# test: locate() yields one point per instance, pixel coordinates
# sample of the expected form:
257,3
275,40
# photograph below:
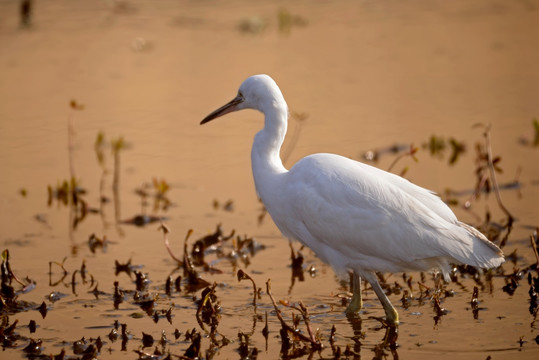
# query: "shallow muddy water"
366,75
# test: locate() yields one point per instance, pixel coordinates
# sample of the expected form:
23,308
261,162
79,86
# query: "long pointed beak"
225,109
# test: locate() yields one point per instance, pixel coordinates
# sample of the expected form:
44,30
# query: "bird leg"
356,303
392,317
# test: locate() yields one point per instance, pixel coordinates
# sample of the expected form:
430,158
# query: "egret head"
257,92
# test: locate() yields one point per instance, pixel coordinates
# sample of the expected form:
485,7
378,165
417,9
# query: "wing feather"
352,214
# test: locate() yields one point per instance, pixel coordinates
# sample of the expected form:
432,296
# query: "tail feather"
485,253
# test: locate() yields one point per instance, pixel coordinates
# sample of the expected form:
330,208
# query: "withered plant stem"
117,146
166,230
410,152
242,275
61,265
73,282
206,299
478,188
116,174
493,173
116,186
305,313
315,344
5,255
70,144
186,258
534,247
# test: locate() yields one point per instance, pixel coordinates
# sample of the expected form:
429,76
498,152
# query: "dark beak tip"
225,109
208,118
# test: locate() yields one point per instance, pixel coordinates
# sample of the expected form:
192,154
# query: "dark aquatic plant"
203,244
412,150
95,243
242,275
208,311
534,142
291,330
437,145
8,293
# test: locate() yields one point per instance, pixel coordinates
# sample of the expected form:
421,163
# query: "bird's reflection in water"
387,346
297,267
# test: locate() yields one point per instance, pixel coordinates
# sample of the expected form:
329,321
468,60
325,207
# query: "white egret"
354,216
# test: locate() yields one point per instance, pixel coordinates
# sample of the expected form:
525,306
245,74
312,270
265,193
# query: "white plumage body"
352,215
355,216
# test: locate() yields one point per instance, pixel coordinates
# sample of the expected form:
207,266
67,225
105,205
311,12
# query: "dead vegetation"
191,280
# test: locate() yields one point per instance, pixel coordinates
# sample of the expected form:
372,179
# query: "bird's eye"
240,94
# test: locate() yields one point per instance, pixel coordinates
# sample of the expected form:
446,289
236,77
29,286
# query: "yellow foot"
392,318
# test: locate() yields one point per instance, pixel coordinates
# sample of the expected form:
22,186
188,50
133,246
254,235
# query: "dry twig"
314,343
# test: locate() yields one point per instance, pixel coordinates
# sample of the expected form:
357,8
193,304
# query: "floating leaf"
34,347
32,326
147,340
43,309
